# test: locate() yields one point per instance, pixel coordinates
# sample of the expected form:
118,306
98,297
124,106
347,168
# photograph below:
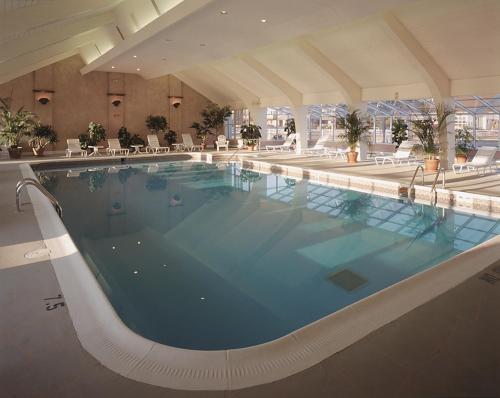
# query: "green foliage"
156,124
290,127
202,131
356,129
14,125
84,141
463,141
213,116
250,133
43,135
399,131
427,129
170,137
127,139
96,132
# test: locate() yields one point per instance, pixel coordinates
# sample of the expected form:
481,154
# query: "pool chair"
154,145
335,153
484,158
115,147
222,142
286,146
403,154
74,147
187,140
319,147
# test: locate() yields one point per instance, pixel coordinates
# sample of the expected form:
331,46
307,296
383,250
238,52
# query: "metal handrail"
31,181
433,189
412,183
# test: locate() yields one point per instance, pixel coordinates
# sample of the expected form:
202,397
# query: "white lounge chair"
484,157
222,142
154,145
115,147
286,146
187,140
335,153
319,147
403,154
74,147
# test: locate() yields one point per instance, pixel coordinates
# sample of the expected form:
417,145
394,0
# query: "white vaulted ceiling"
307,52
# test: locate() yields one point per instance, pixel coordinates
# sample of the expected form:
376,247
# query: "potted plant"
127,139
463,144
170,137
13,126
399,132
290,126
214,116
43,135
202,133
355,131
427,130
251,135
156,124
96,133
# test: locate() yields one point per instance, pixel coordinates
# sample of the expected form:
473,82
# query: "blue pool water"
210,257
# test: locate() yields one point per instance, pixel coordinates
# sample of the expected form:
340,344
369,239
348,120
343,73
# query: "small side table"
95,150
137,149
179,147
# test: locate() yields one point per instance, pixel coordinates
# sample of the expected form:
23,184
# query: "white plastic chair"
187,140
319,147
74,147
154,145
484,157
222,142
286,146
114,147
403,154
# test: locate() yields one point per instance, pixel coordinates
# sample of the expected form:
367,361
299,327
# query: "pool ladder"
410,191
31,181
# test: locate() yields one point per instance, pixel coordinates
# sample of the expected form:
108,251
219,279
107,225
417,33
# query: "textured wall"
78,100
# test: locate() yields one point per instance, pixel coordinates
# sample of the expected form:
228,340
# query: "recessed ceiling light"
263,20
113,67
163,59
134,56
138,70
223,12
168,40
203,45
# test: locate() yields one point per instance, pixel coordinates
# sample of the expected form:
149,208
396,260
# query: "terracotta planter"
15,152
461,159
203,146
352,157
38,151
251,147
431,164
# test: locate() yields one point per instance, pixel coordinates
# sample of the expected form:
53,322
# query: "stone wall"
78,100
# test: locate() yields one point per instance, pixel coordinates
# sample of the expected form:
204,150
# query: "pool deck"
446,347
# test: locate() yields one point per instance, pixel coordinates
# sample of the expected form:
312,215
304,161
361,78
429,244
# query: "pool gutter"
103,334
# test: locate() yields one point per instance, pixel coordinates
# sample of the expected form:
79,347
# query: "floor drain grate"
491,279
44,252
347,280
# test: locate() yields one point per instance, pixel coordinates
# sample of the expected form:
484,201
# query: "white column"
258,116
447,137
363,147
301,126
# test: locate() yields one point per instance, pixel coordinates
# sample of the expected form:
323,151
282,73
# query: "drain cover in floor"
347,280
43,252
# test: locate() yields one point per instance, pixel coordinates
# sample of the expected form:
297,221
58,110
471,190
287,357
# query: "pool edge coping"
103,334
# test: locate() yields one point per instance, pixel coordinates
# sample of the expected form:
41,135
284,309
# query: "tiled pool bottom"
213,257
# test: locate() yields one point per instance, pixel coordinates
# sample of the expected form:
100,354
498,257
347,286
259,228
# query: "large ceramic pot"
431,164
38,151
15,152
461,159
352,157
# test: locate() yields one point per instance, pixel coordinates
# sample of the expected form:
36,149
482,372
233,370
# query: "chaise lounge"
484,157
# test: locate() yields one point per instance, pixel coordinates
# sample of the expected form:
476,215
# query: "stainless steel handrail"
433,189
412,183
31,181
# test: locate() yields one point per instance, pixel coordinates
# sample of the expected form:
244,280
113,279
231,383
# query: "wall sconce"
116,99
43,96
175,101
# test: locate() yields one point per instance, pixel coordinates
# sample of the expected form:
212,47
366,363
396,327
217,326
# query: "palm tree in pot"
43,135
251,135
355,132
202,133
14,126
427,131
214,117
